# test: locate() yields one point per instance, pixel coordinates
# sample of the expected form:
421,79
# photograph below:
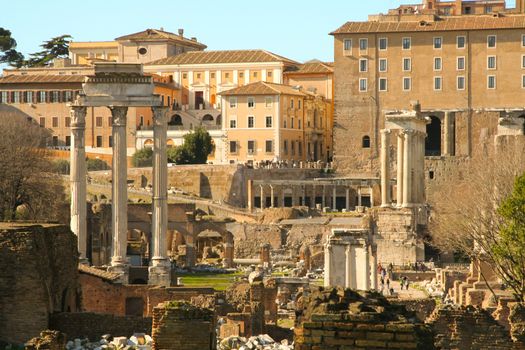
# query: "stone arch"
148,143
226,238
175,120
365,142
218,120
170,143
433,140
207,118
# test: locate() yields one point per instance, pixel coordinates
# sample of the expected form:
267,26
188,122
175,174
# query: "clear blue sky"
292,28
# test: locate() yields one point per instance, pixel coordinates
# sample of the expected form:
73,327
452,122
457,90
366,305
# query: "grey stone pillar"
347,199
400,168
367,268
324,197
312,198
272,200
348,266
373,266
385,168
160,269
262,197
334,197
328,256
77,170
408,169
359,197
250,195
371,191
119,200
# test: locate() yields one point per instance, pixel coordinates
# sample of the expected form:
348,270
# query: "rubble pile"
138,341
260,342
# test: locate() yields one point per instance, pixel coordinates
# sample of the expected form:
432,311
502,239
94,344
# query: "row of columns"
159,271
410,166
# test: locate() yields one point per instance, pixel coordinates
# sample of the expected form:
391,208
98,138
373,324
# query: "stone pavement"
411,293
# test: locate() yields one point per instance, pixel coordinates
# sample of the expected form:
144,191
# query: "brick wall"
93,326
179,325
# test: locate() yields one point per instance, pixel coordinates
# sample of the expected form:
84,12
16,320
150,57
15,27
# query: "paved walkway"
411,293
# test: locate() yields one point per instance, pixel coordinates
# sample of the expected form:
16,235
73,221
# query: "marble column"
348,267
373,266
359,197
328,253
334,198
347,199
447,139
324,197
367,268
385,168
250,195
262,197
77,170
119,199
400,168
371,191
272,200
160,269
312,198
408,169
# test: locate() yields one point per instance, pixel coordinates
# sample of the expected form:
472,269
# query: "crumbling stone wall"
249,237
182,326
38,276
339,319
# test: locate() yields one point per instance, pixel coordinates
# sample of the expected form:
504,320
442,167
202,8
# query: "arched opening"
210,246
218,120
366,141
175,120
134,307
170,143
433,140
148,143
208,118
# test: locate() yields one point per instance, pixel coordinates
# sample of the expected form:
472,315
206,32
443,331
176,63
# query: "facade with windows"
272,122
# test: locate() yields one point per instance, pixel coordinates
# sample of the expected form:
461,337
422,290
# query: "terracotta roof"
156,34
224,56
478,22
105,275
263,88
41,78
311,67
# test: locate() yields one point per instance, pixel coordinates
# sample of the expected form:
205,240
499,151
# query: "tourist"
382,281
391,290
404,282
388,282
401,282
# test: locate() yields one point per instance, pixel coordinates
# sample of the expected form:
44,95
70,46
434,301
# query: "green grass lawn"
220,282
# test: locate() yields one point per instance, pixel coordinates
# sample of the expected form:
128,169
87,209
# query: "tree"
474,216
195,149
56,47
27,180
8,49
142,157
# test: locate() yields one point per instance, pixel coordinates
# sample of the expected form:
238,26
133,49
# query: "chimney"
181,32
458,8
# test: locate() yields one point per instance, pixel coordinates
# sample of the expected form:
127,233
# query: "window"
491,82
43,96
292,123
269,74
291,103
241,75
67,122
285,147
198,75
488,9
383,44
460,42
460,63
184,76
212,75
437,83
54,96
300,148
251,121
110,141
284,122
523,81
468,10
437,63
268,146
233,123
68,140
3,97
383,64
438,42
299,123
363,65
233,147
268,101
523,40
99,141
299,104
268,121
347,46
363,44
292,144
446,11
461,83
233,102
365,141
98,122
363,85
491,62
42,122
110,121
15,97
407,64
406,43
382,84
255,74
522,61
251,147
251,102
407,83
491,41
55,141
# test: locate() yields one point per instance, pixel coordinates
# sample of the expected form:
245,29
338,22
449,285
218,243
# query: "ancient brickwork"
423,308
339,319
93,326
38,276
181,326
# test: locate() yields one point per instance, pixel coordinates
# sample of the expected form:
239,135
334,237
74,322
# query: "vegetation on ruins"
484,216
57,47
95,164
142,157
28,187
197,146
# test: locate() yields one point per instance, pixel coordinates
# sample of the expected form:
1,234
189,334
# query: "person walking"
388,283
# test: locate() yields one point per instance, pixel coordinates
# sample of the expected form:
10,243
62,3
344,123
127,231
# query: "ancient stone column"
371,191
324,197
373,266
328,255
78,180
160,269
334,198
262,197
119,200
250,195
446,134
359,197
407,169
400,167
272,199
312,199
347,199
385,168
367,268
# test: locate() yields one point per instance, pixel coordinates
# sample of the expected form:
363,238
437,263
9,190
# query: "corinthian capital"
119,115
159,115
78,116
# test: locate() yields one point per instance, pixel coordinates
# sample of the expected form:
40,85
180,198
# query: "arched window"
433,140
366,141
207,118
175,120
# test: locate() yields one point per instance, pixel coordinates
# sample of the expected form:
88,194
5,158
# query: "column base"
159,274
386,205
122,270
83,261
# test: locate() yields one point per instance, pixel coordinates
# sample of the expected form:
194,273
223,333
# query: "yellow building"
265,121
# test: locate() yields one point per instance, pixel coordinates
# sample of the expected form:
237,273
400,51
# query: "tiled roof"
41,78
224,56
263,88
477,22
155,34
105,275
311,67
